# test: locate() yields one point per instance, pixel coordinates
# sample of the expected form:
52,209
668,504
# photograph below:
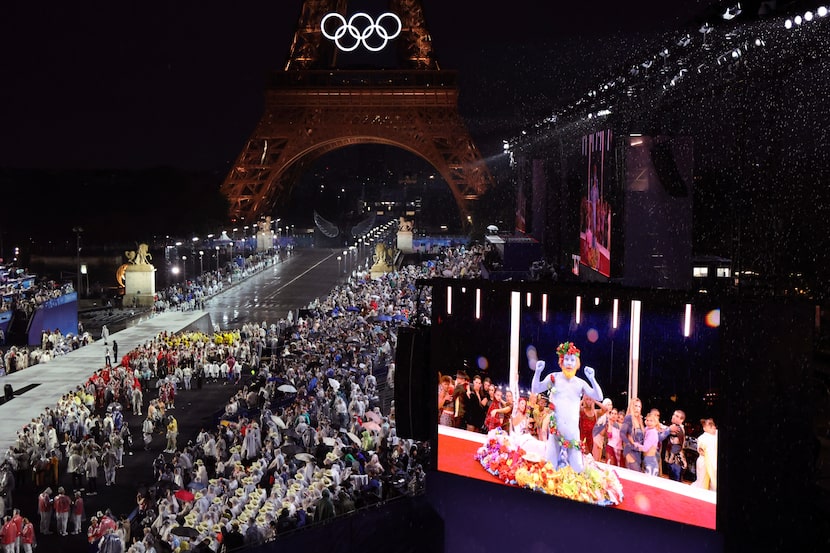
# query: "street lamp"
184,268
201,266
78,231
217,259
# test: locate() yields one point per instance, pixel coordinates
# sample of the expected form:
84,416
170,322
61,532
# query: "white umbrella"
334,384
329,441
288,388
306,457
279,422
353,437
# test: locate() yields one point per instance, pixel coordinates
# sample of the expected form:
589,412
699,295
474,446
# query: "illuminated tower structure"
313,106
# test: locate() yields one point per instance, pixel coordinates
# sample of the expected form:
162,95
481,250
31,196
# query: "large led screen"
634,428
595,211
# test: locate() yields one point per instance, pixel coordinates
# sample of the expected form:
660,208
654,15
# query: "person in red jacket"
92,532
77,513
17,518
8,535
101,524
44,509
27,536
62,503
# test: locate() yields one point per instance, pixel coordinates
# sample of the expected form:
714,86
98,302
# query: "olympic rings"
356,37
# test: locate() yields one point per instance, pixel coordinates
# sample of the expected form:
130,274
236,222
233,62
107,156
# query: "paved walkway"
42,385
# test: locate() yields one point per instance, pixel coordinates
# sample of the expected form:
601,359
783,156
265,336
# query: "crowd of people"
193,293
188,295
28,298
307,437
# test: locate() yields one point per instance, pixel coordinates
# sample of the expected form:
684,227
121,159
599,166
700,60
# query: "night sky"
143,84
138,86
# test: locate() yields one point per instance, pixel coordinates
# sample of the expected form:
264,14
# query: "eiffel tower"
312,108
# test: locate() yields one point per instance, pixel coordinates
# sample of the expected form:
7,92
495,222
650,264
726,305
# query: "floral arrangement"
511,465
567,348
564,442
499,457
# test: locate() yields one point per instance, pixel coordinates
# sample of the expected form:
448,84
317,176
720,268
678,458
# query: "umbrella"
371,425
195,485
372,416
279,422
306,457
166,484
334,384
383,318
492,228
398,317
185,532
184,495
290,450
353,437
287,388
353,309
329,442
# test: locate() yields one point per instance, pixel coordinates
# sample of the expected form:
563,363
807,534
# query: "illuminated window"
700,272
724,272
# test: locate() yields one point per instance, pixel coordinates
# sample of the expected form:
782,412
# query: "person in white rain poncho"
252,443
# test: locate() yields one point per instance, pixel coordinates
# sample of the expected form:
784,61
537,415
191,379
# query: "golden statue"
404,225
140,256
137,260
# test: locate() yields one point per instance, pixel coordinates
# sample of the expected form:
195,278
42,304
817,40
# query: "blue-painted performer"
565,395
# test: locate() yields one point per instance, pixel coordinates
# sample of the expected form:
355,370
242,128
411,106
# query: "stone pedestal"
264,240
379,269
139,285
405,241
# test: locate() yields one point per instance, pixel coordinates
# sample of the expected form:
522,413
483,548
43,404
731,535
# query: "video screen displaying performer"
546,393
595,212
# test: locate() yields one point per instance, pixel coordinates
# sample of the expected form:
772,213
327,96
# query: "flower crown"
567,348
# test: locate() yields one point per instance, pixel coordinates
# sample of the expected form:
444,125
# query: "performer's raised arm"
594,392
537,385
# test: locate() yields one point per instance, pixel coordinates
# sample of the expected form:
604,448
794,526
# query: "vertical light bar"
615,313
578,309
478,303
544,308
596,301
449,300
515,319
528,299
634,350
687,321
